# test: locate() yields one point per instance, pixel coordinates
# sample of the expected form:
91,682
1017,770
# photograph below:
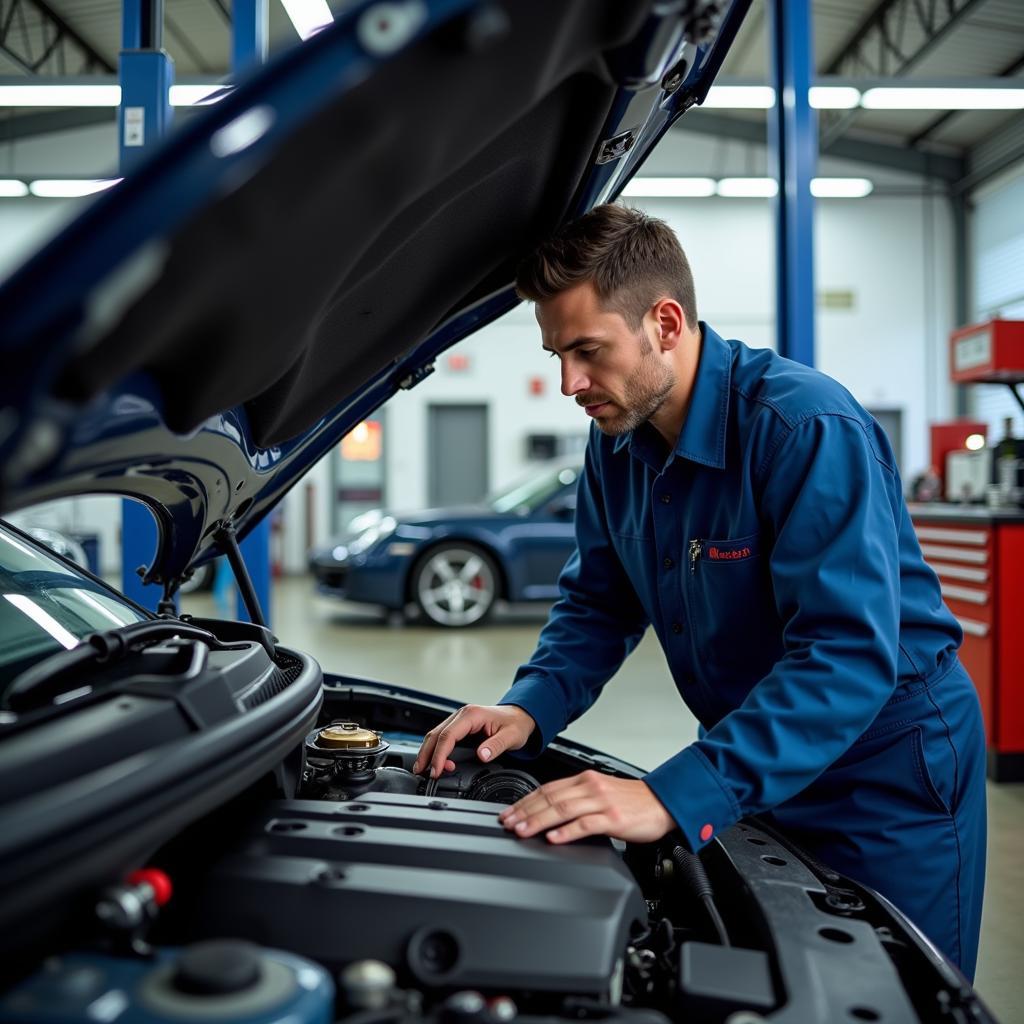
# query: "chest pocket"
728,593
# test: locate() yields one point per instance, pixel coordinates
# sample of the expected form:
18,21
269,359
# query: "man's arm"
593,627
835,507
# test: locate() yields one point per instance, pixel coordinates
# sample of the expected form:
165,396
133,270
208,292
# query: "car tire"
455,585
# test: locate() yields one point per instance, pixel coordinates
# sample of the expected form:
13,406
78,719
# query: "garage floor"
639,718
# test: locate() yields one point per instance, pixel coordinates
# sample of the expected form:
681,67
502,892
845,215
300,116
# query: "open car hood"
302,249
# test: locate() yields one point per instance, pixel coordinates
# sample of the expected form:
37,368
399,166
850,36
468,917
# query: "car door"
546,540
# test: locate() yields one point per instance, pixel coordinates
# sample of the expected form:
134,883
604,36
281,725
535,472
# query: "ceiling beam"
879,48
45,122
53,48
897,158
933,126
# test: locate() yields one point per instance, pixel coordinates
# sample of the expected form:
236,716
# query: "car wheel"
455,585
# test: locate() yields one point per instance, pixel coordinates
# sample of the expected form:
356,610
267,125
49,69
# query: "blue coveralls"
773,553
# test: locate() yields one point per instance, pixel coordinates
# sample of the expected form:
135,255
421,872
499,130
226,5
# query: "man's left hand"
590,804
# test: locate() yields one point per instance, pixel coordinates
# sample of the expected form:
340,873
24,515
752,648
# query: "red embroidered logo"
718,554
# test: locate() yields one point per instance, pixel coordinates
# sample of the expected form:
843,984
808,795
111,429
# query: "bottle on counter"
1008,465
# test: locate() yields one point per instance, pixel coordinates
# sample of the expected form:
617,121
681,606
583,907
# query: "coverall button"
677,627
706,833
666,498
668,563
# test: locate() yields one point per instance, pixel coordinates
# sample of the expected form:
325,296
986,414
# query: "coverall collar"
702,438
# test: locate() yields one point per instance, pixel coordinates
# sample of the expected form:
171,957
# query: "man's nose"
573,380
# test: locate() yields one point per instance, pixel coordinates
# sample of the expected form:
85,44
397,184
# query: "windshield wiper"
62,672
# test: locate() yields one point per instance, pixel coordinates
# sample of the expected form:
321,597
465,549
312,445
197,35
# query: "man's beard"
643,394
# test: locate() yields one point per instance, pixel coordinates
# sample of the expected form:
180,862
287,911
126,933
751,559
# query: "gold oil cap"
347,736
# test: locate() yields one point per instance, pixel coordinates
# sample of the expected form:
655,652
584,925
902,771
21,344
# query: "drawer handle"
972,627
977,537
960,572
955,554
964,593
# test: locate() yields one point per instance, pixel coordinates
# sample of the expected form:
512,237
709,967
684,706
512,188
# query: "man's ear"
669,323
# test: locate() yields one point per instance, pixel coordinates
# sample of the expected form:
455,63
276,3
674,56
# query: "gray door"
458,454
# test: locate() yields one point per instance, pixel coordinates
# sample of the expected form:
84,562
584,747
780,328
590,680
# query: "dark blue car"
453,564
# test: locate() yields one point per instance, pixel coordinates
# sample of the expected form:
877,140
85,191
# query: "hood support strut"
228,541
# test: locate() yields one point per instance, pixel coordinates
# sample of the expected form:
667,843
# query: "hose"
692,872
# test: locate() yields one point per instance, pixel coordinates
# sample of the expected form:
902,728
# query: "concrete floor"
639,718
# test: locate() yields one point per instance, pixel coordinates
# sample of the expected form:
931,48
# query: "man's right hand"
506,726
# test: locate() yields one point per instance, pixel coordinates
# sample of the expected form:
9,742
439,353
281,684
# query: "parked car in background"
453,564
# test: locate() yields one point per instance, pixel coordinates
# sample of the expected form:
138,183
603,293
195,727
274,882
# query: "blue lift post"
792,159
249,48
146,74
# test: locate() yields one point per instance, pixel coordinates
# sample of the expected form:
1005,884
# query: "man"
750,510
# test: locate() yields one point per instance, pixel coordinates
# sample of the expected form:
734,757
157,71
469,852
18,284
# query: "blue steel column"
248,49
146,74
792,159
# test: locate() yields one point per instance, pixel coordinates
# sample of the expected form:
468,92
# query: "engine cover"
437,889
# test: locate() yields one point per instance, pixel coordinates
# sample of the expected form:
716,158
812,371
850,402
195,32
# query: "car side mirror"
563,507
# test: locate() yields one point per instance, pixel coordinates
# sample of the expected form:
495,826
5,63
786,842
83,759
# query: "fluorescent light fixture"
841,188
43,619
308,16
79,95
833,97
194,95
69,188
654,188
11,188
748,188
927,98
740,97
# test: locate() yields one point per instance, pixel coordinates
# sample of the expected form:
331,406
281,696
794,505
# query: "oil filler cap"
217,968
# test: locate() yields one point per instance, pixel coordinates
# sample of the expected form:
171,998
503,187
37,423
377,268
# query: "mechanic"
749,509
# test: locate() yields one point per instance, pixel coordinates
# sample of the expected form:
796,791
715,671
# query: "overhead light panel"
942,98
740,97
841,188
11,188
674,188
77,95
748,188
308,16
833,97
69,188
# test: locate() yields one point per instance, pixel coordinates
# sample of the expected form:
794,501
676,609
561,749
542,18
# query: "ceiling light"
833,97
974,442
80,95
308,16
193,95
928,98
11,188
841,188
740,97
69,188
656,188
748,188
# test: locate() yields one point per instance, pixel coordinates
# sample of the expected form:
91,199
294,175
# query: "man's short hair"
632,260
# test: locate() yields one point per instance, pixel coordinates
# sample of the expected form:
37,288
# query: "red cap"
706,833
156,880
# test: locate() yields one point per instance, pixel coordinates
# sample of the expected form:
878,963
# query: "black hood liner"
418,190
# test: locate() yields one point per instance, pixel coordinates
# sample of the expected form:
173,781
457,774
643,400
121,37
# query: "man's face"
614,372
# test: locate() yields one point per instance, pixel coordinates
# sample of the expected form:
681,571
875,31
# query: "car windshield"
46,605
530,494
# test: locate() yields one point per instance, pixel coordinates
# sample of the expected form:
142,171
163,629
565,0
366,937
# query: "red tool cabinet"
978,554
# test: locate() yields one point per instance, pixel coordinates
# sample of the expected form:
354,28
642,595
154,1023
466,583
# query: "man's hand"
507,727
590,804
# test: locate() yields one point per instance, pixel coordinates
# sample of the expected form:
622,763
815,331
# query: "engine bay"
338,885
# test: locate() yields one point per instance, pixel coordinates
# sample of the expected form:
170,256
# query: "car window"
526,496
46,605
